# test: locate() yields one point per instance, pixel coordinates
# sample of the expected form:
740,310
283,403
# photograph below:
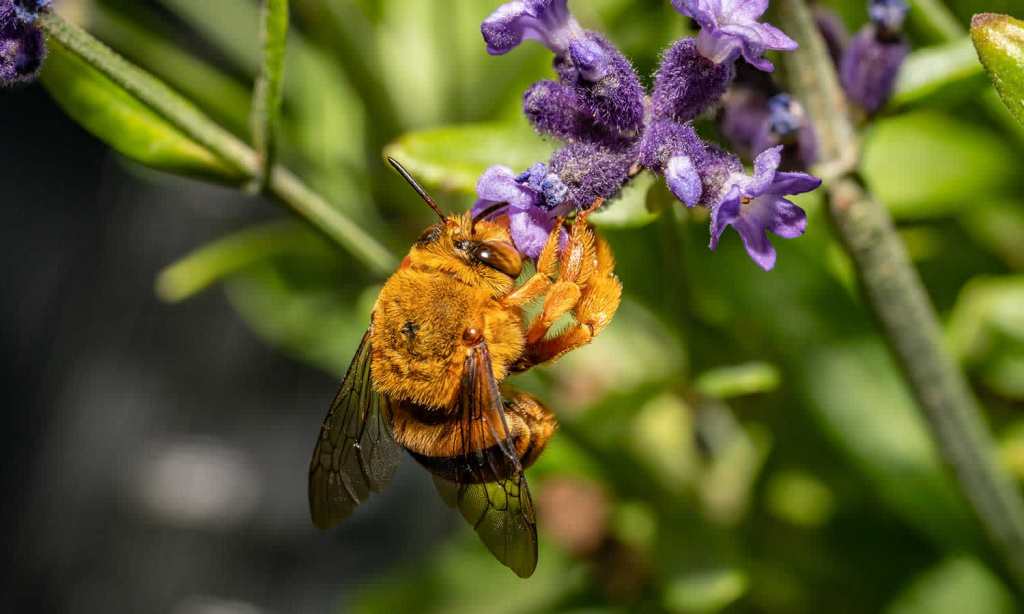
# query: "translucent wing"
355,453
489,486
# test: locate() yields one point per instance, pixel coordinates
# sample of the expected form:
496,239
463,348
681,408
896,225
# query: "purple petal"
498,184
589,59
547,21
756,241
789,221
766,165
793,183
747,9
724,214
683,180
530,229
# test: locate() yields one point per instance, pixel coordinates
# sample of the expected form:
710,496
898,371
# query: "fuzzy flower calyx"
729,28
22,46
756,204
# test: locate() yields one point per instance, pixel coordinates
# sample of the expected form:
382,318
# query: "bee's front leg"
587,287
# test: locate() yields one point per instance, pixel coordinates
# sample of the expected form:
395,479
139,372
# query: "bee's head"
476,249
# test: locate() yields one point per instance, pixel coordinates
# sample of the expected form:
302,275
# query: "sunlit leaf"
928,164
931,70
999,40
986,331
954,586
115,116
454,157
738,380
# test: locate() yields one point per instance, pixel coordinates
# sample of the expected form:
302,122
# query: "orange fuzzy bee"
446,330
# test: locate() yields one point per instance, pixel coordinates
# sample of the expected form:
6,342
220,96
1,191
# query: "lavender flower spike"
533,201
22,46
729,28
754,205
547,21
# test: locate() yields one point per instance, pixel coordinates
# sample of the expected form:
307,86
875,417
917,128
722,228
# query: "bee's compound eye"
472,335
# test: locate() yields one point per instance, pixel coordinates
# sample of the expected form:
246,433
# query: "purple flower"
533,202
730,28
742,120
869,68
591,171
554,109
755,205
547,21
687,83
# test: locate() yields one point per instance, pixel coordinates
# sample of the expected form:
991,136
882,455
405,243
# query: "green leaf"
932,70
928,164
738,380
956,585
855,393
986,330
266,104
231,254
999,40
453,157
639,204
220,95
113,115
705,592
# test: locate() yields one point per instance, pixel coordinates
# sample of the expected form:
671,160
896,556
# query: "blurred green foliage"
751,444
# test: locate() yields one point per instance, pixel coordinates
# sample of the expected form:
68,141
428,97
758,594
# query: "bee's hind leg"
539,422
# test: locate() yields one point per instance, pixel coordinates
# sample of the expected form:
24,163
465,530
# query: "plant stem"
284,186
896,295
266,100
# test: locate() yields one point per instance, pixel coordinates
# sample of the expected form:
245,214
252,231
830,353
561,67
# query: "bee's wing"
355,453
492,493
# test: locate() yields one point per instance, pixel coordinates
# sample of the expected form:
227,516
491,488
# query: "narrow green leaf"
999,40
224,98
230,254
266,104
738,380
119,119
453,157
931,70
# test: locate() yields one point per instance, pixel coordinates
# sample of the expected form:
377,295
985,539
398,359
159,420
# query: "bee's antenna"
419,189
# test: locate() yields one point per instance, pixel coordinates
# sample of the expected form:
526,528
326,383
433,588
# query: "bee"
447,329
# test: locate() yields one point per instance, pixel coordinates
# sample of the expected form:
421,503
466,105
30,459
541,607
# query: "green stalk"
897,297
266,101
284,186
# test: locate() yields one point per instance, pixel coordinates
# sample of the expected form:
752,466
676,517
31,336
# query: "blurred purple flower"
755,205
888,17
729,28
533,202
869,68
787,124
